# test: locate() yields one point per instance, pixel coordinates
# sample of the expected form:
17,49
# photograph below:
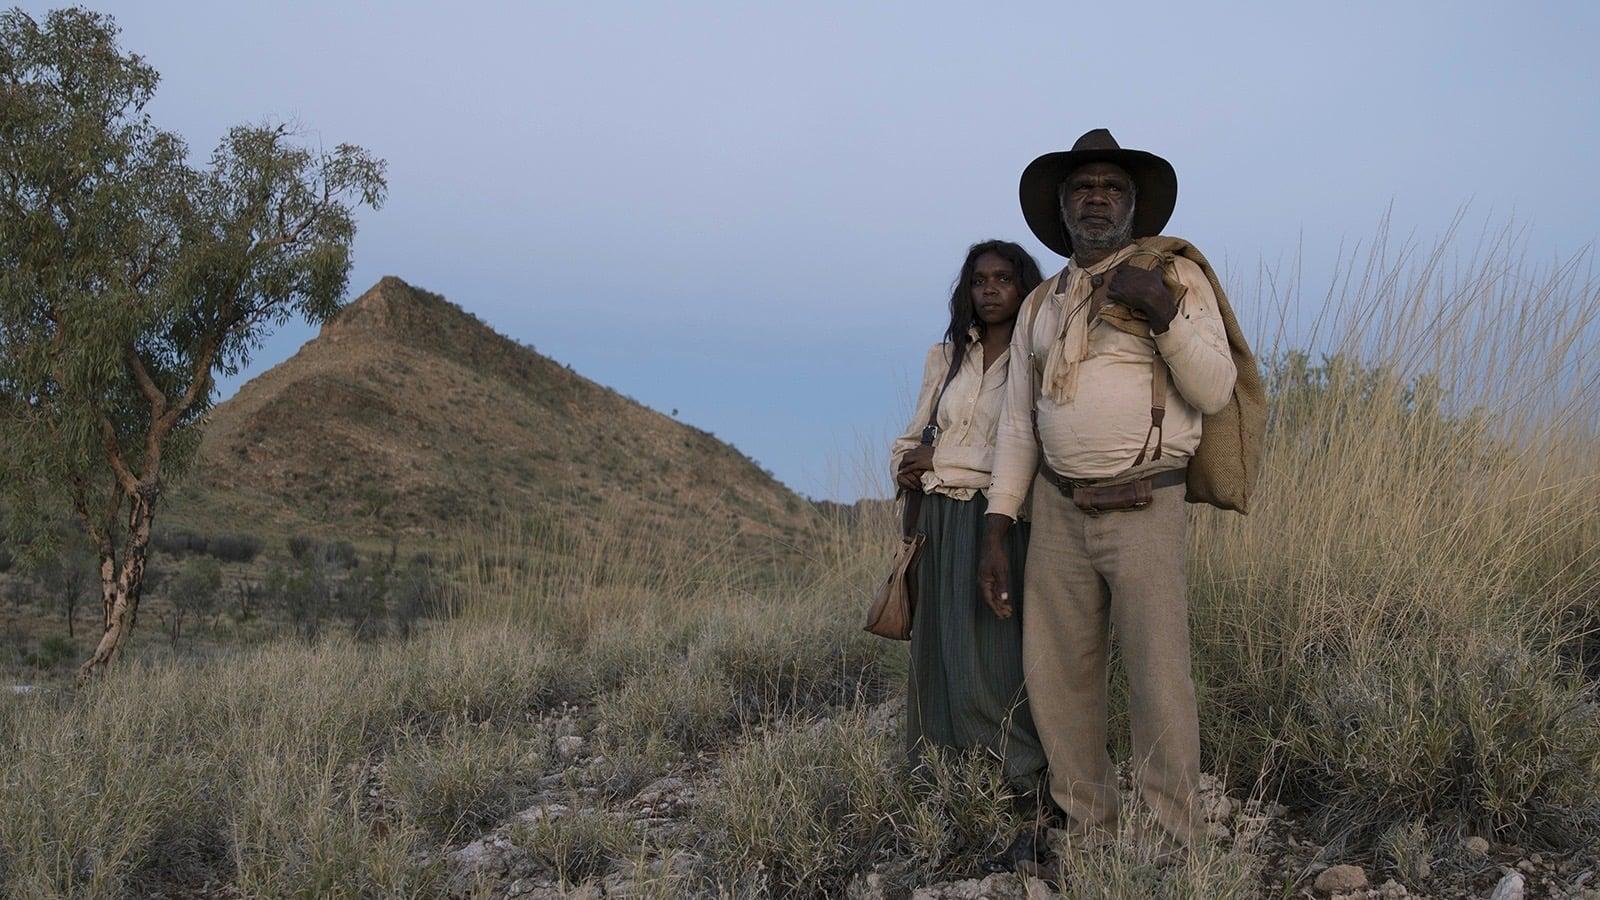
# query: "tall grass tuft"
1402,625
250,769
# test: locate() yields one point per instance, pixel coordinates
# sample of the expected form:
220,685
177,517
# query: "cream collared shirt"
1099,431
964,453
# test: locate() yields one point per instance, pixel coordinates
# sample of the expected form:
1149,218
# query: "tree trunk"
121,596
108,585
123,606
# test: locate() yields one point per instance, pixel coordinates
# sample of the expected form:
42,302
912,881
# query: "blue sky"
752,213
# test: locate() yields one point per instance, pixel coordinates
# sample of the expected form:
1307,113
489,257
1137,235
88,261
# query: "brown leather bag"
891,611
895,604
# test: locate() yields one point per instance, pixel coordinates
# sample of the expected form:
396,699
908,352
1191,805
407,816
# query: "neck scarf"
1071,346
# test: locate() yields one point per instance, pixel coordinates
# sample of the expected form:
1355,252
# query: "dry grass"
1401,626
1400,639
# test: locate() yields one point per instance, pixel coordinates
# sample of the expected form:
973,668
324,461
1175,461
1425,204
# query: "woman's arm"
933,369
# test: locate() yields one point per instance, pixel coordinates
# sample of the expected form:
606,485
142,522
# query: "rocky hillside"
409,417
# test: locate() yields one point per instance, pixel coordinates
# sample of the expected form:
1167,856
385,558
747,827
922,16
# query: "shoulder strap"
1158,409
913,499
956,361
1035,300
1035,367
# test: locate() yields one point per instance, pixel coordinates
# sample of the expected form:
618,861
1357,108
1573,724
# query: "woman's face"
995,296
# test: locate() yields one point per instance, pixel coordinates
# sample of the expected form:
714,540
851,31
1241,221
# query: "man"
1113,399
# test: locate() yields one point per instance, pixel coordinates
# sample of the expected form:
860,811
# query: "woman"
966,687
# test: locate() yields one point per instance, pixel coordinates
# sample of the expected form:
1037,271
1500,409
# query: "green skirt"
966,688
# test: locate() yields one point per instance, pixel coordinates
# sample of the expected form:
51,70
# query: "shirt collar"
976,347
1106,264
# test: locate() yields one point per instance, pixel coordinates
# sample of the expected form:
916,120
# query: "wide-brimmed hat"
1153,178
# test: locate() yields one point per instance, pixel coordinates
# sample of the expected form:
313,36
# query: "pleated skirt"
966,690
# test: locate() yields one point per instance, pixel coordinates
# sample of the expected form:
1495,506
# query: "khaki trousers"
1085,574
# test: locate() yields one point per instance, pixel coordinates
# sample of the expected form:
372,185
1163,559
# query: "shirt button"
1097,280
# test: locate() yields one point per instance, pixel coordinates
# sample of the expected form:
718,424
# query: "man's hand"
1142,290
994,569
917,460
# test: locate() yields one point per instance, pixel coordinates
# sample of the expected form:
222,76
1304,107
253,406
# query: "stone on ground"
1341,879
995,887
1511,887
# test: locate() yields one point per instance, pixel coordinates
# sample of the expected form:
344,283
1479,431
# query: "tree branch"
147,385
91,526
125,477
149,265
199,382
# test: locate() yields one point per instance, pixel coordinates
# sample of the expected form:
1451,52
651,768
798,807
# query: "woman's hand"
916,461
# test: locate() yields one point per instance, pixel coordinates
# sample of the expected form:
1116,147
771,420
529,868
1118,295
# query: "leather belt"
1065,485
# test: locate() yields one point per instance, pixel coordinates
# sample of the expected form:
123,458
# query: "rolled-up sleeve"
1195,345
933,369
1016,455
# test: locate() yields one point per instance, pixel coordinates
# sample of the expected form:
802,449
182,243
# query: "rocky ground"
581,839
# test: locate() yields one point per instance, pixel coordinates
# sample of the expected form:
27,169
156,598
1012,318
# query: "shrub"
53,652
230,547
415,594
686,706
343,553
848,801
577,846
301,547
176,543
298,833
1131,867
235,548
68,579
19,592
360,597
309,550
457,783
303,592
1494,739
478,675
630,765
797,661
193,593
839,797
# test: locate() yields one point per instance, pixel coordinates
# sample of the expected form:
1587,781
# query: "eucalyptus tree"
130,278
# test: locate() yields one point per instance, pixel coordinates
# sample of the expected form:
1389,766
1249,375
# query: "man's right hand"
994,569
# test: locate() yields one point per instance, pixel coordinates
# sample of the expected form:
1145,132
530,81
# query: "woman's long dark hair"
962,314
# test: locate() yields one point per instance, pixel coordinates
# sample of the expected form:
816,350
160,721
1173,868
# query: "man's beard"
1113,239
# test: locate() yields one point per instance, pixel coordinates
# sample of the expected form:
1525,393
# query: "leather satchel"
891,611
895,605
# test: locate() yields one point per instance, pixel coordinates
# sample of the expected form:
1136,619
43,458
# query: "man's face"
1097,207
